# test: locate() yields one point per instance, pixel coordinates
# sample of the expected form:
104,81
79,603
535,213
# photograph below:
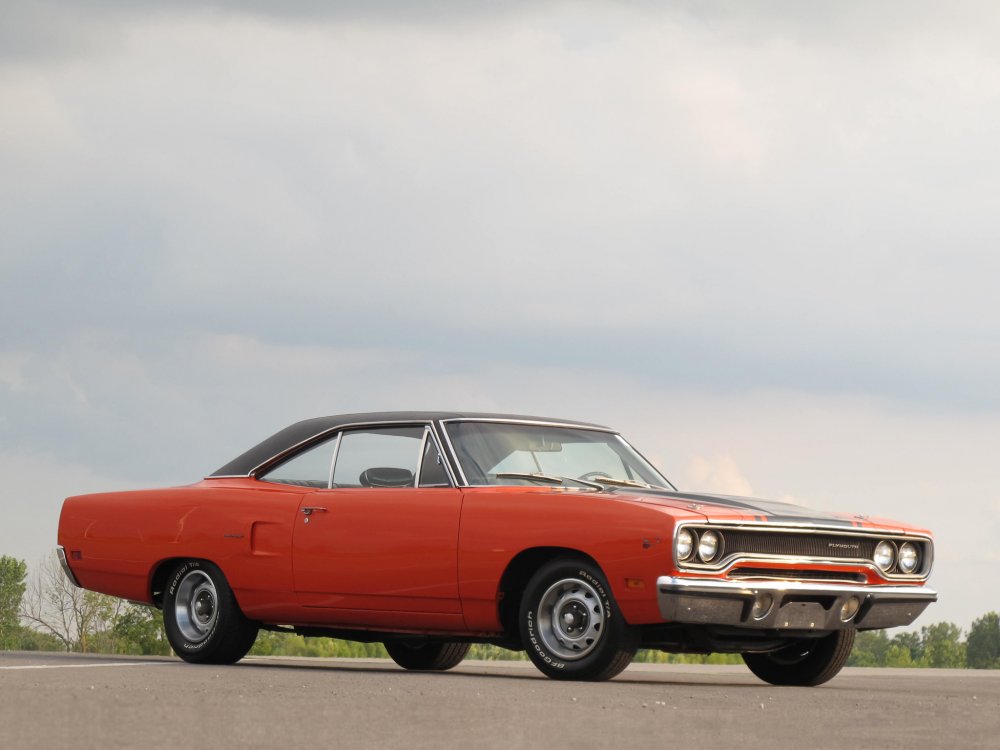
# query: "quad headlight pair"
904,559
708,545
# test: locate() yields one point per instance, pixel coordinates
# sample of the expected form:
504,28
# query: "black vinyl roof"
303,431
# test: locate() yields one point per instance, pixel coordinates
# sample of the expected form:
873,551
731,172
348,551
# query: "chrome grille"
819,545
742,542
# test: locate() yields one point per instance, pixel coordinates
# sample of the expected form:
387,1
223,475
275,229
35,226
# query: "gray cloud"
727,214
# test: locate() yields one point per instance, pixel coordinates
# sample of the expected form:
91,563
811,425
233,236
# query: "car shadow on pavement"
645,678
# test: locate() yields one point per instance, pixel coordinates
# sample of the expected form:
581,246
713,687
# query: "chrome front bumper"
793,605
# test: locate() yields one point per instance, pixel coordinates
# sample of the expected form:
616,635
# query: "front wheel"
807,662
203,622
571,626
428,656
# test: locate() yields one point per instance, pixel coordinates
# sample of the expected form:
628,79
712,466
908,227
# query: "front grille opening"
784,574
756,542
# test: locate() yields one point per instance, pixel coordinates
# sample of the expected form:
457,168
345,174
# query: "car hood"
730,508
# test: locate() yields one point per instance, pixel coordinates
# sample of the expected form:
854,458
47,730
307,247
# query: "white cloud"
718,474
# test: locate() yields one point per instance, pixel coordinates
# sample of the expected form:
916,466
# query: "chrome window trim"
532,422
654,467
428,431
439,427
338,432
333,459
536,423
420,456
454,455
725,564
263,465
429,435
446,460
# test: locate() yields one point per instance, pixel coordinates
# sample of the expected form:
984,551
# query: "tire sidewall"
549,663
822,663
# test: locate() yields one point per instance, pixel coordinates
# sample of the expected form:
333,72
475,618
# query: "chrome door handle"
310,509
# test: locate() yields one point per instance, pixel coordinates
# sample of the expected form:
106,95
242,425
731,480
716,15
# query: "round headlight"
909,559
685,544
885,556
708,547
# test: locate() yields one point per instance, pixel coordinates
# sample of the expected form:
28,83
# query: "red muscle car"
432,531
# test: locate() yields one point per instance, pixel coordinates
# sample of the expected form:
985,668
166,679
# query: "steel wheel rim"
196,606
571,619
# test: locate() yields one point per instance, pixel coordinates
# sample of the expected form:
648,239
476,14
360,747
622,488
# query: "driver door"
379,546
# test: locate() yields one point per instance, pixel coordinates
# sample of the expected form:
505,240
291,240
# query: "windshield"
521,454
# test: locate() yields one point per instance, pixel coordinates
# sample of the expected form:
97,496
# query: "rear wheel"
806,662
571,626
203,622
426,656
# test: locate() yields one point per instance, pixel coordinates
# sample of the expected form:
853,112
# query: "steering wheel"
592,475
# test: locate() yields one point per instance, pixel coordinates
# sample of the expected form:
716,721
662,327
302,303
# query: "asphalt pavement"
82,701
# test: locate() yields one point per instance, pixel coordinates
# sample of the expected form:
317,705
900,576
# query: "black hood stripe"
767,511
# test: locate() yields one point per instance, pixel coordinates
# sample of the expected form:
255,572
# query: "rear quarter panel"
115,541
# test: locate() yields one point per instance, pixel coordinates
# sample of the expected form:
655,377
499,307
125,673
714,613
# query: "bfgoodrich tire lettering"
807,662
570,625
203,622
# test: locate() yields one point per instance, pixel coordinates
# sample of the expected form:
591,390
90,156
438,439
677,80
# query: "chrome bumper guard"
61,554
789,605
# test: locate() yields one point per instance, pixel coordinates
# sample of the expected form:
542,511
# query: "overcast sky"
761,239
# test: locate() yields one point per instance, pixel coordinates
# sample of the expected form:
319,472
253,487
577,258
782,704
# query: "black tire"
807,662
203,622
571,626
434,656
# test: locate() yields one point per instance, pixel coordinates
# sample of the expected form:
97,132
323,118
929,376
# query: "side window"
310,468
378,457
432,471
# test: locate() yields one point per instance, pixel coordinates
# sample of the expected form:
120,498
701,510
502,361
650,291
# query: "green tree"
912,642
942,646
139,630
870,649
898,656
33,640
983,644
12,586
288,644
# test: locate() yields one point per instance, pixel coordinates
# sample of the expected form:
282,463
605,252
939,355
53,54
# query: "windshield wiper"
550,478
622,482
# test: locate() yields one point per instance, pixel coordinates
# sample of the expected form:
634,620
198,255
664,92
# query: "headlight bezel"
691,543
904,553
716,545
889,554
